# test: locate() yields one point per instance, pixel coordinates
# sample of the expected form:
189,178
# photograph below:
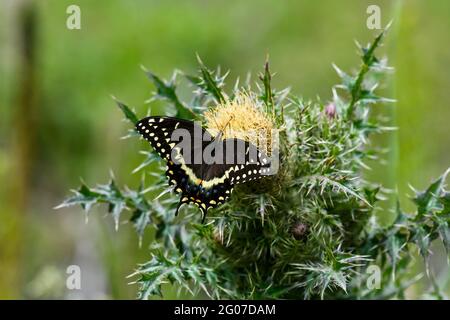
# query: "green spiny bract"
308,232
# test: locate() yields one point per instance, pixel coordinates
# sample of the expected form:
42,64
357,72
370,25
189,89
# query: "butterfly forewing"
164,133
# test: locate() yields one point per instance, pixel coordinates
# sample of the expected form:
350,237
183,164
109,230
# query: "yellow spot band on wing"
198,181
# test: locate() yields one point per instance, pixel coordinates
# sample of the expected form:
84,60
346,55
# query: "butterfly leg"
204,212
178,207
183,199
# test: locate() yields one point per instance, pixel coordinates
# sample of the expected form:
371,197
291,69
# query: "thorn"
143,68
199,60
388,26
266,64
338,70
163,193
444,176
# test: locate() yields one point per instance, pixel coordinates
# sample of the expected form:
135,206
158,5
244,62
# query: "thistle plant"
309,232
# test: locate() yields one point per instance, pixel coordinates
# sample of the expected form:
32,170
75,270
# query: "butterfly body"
201,168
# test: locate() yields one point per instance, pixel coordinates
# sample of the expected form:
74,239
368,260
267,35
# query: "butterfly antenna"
222,131
228,122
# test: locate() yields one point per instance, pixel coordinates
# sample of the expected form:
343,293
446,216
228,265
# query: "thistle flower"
242,117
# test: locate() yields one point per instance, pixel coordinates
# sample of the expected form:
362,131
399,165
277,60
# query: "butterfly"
202,168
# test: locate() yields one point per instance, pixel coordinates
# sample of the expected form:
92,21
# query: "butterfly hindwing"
250,163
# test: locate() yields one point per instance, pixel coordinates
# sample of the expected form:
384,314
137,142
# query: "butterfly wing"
185,168
237,161
164,133
241,162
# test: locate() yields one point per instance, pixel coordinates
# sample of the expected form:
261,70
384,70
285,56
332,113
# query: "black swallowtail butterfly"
185,145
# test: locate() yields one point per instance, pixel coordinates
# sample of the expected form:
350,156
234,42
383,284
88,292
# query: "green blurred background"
58,122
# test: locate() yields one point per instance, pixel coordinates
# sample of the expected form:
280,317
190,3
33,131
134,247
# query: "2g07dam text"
226,309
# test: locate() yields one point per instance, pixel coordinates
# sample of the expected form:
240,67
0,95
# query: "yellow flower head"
242,118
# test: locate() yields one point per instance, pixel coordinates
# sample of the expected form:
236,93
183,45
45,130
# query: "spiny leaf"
128,113
422,240
208,82
150,157
167,90
428,200
445,202
140,219
84,196
356,86
444,233
267,95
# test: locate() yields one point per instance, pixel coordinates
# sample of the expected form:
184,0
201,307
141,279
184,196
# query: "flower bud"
299,230
330,110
